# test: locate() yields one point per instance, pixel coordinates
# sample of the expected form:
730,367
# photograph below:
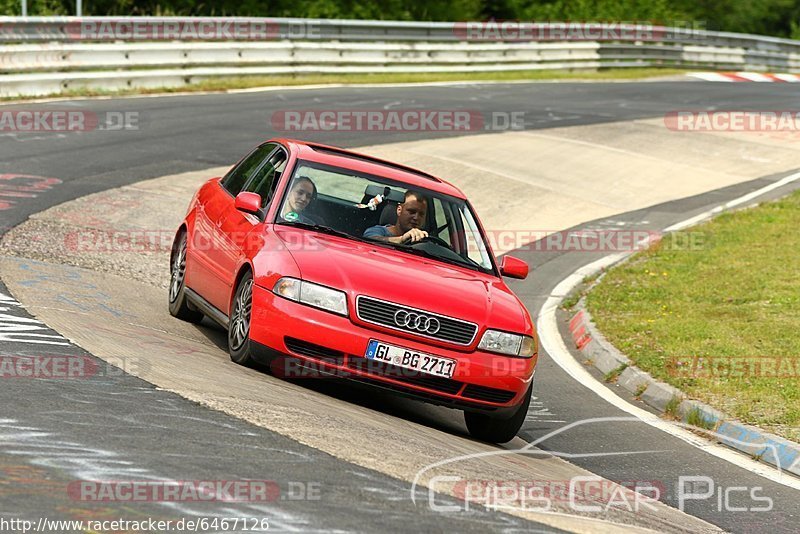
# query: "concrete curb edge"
597,350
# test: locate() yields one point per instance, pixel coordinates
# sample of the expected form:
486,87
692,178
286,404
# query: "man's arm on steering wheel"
412,236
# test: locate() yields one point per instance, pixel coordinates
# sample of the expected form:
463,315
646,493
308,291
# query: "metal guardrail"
50,55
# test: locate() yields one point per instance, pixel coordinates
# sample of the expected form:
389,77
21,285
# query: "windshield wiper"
321,228
461,261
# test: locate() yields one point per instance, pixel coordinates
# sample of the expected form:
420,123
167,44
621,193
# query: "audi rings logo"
417,321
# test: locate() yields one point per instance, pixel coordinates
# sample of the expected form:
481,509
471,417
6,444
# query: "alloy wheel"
240,318
178,272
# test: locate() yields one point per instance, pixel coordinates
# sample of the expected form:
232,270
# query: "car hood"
396,276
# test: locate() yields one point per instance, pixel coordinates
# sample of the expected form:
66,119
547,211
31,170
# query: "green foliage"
340,9
10,8
613,374
672,406
570,302
598,10
391,9
766,17
36,7
695,418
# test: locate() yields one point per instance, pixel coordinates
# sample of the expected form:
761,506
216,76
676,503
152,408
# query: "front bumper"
326,344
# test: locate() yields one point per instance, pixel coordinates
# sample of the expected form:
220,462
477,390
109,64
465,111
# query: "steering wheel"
433,239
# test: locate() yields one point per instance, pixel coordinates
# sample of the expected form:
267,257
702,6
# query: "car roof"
340,157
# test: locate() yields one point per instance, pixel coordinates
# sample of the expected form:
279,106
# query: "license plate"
411,359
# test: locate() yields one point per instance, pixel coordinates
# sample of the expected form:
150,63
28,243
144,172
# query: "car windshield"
347,203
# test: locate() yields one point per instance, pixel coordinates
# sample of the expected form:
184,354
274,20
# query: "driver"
410,217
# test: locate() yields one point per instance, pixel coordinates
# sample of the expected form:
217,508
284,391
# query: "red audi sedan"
342,264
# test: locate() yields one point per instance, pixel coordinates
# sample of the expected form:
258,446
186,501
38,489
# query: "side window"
264,179
476,251
441,225
239,176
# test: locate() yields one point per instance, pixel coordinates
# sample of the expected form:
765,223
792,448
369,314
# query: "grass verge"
247,82
613,374
719,321
695,418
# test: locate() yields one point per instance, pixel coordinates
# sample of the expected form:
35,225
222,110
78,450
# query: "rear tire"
178,304
494,430
239,345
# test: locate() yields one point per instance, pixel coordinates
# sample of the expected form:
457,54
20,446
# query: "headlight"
315,295
505,343
287,288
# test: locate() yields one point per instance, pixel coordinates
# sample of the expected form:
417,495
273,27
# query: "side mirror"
248,202
513,267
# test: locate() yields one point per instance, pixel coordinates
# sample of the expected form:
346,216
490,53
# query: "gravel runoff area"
126,231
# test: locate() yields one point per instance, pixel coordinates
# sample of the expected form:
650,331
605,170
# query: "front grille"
382,313
410,376
304,348
487,394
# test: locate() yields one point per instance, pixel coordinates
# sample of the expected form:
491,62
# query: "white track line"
755,77
791,78
732,204
710,76
553,343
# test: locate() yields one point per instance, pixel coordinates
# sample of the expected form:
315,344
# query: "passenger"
300,197
410,218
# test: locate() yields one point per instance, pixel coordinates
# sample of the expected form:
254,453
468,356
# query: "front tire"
239,345
178,305
494,430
